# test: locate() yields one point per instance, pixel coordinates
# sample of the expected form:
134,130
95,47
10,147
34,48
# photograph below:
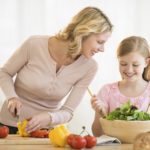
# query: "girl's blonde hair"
88,21
136,44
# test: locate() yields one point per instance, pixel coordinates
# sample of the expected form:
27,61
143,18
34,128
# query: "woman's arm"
10,68
65,113
15,63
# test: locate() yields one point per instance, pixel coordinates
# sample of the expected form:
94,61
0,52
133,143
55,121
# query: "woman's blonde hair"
87,21
136,44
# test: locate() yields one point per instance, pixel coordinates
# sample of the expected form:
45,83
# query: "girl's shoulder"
148,87
147,90
109,88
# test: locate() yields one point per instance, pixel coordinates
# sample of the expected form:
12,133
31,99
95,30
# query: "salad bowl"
125,131
125,123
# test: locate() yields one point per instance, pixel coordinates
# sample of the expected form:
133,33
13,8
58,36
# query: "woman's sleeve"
65,114
10,69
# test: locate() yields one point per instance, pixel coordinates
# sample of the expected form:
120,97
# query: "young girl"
133,56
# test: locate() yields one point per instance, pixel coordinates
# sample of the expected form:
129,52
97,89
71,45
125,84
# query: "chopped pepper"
22,128
58,135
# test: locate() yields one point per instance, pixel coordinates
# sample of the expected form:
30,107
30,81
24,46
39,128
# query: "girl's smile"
132,66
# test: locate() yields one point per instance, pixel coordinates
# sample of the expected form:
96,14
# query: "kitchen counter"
51,147
15,142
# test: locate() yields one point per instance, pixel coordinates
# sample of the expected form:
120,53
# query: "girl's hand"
98,106
38,122
14,106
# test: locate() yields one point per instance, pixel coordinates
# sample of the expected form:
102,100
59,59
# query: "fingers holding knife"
14,106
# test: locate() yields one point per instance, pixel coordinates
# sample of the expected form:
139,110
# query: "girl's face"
132,66
94,44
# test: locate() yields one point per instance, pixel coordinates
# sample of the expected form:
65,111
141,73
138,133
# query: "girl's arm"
96,127
100,105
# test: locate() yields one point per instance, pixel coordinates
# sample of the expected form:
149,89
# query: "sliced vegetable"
37,134
22,128
40,134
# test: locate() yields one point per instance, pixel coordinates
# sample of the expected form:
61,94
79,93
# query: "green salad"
128,112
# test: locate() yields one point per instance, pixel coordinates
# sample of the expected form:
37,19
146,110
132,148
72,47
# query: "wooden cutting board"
16,139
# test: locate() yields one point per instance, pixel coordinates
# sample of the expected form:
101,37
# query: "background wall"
21,18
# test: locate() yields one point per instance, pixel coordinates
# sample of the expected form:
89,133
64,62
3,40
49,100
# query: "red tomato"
78,142
70,137
40,134
91,141
4,131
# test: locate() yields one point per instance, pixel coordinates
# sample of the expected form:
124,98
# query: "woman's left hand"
38,122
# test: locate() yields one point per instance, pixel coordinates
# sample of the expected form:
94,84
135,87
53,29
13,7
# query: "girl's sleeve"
103,96
15,63
66,112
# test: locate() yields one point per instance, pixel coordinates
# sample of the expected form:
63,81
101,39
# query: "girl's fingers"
94,96
93,100
99,107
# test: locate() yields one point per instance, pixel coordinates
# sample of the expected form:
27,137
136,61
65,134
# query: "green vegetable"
128,112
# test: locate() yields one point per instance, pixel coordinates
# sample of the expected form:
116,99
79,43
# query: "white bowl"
125,131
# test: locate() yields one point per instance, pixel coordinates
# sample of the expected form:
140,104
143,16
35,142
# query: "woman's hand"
38,122
98,106
14,106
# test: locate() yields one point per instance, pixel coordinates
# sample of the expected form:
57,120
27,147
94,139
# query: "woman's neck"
58,50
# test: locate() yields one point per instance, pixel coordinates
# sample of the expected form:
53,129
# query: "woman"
49,68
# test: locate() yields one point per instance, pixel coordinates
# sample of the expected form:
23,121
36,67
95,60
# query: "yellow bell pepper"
22,128
58,135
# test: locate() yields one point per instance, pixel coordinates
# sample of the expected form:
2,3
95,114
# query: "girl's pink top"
113,98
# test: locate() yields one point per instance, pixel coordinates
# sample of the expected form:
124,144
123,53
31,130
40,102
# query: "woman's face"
132,66
94,44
